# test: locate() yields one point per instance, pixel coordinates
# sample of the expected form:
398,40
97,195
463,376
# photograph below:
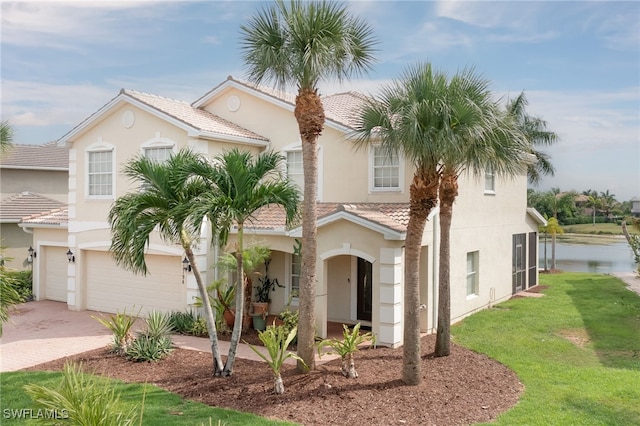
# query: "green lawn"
160,407
576,350
597,229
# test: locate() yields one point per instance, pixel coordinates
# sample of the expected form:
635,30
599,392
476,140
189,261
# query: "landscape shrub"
155,342
120,325
189,323
84,399
21,281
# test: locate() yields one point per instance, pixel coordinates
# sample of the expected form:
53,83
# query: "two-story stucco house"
362,215
33,180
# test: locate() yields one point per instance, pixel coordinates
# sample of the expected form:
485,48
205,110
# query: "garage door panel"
54,273
112,289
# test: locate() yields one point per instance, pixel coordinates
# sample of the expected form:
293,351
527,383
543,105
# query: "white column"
390,306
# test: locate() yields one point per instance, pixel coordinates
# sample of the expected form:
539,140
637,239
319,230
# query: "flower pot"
260,308
260,322
229,317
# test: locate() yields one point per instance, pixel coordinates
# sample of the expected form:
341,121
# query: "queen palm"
480,137
163,202
239,185
300,43
410,116
535,130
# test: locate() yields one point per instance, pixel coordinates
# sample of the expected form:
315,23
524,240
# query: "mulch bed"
463,388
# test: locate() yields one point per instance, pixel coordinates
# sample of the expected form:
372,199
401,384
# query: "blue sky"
578,62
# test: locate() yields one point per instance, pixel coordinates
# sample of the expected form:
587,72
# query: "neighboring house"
33,179
362,215
635,207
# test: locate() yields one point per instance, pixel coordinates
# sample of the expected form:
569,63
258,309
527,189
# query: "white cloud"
64,25
41,104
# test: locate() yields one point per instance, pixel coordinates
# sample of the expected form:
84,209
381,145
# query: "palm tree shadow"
603,320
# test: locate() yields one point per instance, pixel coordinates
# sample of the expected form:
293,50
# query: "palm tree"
595,204
301,43
553,228
478,137
535,130
607,203
239,185
6,136
163,202
407,117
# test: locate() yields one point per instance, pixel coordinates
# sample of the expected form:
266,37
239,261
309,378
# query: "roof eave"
388,233
47,169
229,138
64,225
535,214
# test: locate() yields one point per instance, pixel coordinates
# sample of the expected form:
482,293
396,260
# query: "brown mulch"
463,388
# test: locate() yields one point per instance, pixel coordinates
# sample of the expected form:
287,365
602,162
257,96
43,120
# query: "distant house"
635,207
363,206
33,179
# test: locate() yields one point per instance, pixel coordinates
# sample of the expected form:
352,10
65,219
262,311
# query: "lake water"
597,258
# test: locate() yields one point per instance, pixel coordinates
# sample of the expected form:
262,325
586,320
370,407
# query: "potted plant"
263,291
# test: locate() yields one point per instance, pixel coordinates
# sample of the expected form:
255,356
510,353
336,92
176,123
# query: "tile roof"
394,216
52,217
344,107
16,206
47,156
195,117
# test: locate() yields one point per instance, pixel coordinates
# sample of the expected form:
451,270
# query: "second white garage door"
112,289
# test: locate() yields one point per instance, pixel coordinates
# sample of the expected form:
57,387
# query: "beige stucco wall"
343,170
49,183
15,242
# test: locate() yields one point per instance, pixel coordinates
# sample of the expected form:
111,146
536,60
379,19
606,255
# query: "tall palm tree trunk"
237,325
423,198
309,114
208,312
448,193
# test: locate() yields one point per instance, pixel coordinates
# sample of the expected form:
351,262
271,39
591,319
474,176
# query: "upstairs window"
489,182
158,154
295,170
100,173
385,170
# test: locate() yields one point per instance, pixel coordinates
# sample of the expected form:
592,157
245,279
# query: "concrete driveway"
42,331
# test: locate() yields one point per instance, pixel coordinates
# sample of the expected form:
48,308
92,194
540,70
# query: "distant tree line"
572,207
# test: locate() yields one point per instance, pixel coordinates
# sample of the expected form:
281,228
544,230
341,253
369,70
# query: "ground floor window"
472,273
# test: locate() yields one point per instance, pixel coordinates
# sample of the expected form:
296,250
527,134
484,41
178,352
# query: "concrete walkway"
630,279
42,331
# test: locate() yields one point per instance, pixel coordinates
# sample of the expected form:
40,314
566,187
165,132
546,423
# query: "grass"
160,407
597,229
576,350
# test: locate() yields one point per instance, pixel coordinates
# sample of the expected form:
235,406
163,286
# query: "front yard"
576,350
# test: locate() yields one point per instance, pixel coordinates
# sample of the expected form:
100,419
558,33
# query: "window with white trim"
158,154
295,170
100,173
489,182
386,169
294,281
472,273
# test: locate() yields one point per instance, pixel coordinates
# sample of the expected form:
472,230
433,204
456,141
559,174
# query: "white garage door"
113,289
54,274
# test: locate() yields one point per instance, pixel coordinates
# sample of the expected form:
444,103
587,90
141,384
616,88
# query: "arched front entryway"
349,290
